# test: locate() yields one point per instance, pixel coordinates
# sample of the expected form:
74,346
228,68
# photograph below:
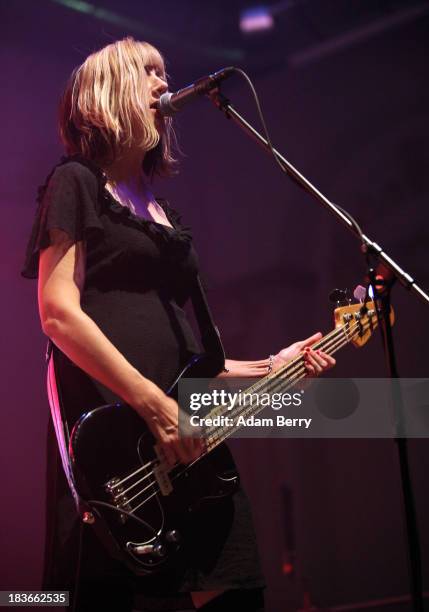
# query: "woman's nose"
159,86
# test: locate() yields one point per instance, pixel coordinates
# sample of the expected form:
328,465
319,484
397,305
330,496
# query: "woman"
115,267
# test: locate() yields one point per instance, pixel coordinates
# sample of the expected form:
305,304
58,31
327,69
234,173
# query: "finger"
192,448
319,359
186,448
310,340
310,357
169,454
183,454
330,360
196,442
172,446
310,369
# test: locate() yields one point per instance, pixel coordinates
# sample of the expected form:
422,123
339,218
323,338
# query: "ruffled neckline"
176,240
177,233
125,211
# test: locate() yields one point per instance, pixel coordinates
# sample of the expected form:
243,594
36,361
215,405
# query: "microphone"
170,103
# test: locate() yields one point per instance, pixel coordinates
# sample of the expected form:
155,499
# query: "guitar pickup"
163,480
161,473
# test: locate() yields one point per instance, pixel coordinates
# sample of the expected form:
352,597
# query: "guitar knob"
159,550
172,536
88,518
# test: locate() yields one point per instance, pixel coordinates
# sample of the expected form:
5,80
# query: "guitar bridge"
119,500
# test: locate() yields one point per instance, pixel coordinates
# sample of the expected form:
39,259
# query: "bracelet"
270,364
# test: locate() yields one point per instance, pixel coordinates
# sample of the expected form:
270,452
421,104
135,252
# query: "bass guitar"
143,508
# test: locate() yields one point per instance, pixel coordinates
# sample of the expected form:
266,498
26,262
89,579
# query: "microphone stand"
381,291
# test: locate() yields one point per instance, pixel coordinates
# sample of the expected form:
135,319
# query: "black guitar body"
141,511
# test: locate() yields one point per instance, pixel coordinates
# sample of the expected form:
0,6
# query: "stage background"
347,102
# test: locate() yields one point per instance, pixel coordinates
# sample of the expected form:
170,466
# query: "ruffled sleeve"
67,202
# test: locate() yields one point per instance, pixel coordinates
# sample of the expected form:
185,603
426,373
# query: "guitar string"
272,384
142,467
344,342
128,501
138,481
295,367
289,373
346,333
209,448
282,371
285,368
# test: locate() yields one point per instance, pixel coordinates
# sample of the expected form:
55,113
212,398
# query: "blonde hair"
105,108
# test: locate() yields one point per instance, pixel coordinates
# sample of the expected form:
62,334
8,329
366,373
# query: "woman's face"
156,86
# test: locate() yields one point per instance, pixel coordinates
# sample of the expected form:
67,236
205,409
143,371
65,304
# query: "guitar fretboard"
279,381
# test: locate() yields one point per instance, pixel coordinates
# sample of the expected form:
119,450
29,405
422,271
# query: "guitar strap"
59,421
210,336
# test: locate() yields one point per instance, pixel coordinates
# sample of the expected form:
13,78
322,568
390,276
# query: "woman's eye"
159,73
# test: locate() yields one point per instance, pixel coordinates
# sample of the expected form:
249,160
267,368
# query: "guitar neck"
279,381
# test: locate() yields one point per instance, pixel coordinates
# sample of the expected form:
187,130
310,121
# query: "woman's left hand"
316,362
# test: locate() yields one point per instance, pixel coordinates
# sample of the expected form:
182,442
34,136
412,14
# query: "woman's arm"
61,279
316,362
245,369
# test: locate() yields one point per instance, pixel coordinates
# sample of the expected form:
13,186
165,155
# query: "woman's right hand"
161,414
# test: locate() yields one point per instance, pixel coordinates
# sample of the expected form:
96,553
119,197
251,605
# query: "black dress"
138,278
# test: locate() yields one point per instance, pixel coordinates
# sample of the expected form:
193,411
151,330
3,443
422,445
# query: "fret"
355,326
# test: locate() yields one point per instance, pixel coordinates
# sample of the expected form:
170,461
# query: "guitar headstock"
358,321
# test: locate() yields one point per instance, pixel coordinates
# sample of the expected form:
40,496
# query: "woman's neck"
125,179
126,169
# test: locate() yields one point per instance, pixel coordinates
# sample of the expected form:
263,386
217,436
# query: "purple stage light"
256,19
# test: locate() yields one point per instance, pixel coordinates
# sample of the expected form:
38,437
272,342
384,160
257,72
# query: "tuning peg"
359,294
340,297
